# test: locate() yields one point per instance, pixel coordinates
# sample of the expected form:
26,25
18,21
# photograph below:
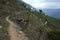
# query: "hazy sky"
42,4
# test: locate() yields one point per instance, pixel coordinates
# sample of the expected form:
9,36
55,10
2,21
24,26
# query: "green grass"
4,29
54,21
55,35
34,22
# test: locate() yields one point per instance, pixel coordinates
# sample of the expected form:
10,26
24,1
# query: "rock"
0,27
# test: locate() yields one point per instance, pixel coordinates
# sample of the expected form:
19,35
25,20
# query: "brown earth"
13,32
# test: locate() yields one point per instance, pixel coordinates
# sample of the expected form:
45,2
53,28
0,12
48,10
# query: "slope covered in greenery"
35,29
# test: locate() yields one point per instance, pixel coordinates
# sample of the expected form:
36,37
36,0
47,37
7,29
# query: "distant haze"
43,4
50,7
52,12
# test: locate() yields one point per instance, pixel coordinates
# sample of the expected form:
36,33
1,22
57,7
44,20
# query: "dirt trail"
13,32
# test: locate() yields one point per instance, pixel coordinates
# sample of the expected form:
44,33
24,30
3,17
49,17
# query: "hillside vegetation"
31,22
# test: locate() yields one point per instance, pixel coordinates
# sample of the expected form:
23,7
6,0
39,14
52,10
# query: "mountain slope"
52,12
31,22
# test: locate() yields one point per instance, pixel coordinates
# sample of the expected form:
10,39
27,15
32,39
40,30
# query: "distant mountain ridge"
52,12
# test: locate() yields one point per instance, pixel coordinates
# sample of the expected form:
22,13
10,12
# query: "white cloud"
43,5
50,5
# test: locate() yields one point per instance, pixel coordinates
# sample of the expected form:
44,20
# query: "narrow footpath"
13,31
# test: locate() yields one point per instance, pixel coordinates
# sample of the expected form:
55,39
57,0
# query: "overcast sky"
42,4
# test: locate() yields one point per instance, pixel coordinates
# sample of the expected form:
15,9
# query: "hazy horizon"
50,7
44,4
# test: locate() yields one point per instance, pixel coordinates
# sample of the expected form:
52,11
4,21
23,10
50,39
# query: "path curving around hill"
13,32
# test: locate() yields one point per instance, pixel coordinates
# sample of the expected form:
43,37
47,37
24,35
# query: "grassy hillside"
54,34
54,21
35,29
